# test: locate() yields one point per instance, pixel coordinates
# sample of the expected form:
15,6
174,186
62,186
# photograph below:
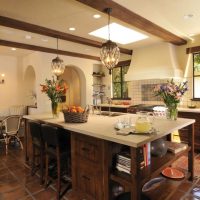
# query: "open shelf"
98,75
159,163
98,85
167,188
151,171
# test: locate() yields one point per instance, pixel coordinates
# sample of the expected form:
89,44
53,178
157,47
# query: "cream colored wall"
10,91
42,66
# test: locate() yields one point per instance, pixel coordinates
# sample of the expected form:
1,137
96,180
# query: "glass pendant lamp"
57,65
109,53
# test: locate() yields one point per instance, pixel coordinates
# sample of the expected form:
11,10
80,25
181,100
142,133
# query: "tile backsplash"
141,91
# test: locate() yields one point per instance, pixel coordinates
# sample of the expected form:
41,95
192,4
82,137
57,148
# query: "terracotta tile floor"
16,183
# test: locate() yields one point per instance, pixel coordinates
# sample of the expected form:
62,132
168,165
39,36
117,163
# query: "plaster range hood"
154,62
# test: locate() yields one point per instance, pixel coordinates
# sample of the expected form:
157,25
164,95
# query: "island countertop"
102,127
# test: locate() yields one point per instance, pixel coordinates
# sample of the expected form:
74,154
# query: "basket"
73,117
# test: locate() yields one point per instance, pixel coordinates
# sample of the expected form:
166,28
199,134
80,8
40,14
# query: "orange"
73,110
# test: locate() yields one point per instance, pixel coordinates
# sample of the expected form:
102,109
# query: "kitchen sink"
111,114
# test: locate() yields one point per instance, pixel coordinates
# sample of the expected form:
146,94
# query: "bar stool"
38,149
58,148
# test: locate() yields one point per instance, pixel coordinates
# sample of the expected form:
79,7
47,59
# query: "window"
120,86
196,75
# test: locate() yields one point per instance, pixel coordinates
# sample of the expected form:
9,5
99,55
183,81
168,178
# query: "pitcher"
143,122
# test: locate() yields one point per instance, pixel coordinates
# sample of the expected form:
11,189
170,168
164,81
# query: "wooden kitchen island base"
94,145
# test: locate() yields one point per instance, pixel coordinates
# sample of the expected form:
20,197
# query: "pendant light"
109,53
57,65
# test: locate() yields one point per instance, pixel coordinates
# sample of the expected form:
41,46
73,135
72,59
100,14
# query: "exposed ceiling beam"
13,23
134,19
193,49
45,49
124,63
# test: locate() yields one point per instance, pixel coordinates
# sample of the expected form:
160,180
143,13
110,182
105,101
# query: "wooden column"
191,152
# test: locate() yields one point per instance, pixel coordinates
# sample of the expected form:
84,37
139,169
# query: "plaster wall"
41,63
10,91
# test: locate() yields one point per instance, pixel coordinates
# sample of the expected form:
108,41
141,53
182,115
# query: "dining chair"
10,127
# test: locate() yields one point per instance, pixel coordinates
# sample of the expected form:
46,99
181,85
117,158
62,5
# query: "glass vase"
54,108
172,112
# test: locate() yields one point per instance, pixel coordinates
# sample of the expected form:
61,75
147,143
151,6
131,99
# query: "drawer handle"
85,149
85,177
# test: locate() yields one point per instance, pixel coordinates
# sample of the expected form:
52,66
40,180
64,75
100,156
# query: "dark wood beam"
13,23
45,49
193,49
124,63
134,19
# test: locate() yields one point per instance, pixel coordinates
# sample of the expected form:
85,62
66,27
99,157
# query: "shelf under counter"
152,170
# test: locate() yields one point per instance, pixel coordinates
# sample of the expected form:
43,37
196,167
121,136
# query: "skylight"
119,34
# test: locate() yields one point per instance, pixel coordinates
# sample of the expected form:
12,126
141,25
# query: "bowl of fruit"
76,114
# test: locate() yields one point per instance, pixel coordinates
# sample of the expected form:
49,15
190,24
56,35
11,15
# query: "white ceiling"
62,14
168,14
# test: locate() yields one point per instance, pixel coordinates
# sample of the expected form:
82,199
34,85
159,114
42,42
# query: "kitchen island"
93,145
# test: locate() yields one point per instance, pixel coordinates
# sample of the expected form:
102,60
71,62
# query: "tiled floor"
16,182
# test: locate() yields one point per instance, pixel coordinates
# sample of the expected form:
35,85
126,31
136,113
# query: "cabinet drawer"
89,181
89,148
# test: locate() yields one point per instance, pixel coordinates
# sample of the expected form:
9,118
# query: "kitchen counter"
102,127
93,145
194,110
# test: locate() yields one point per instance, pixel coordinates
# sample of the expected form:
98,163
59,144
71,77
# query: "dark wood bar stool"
38,149
57,146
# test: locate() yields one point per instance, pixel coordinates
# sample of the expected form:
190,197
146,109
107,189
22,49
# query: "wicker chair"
10,127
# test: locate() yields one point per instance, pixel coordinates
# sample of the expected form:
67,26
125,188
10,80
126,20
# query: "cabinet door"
89,181
184,136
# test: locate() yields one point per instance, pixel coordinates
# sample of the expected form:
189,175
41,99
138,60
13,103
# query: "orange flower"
54,89
58,88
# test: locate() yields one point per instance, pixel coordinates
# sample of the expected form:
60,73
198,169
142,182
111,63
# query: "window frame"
193,75
121,84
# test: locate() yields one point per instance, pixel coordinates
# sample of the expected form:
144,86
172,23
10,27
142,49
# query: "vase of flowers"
171,94
55,90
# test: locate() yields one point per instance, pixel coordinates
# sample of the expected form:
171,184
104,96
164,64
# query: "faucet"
109,102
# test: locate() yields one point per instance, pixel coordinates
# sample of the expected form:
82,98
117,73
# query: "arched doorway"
30,86
75,80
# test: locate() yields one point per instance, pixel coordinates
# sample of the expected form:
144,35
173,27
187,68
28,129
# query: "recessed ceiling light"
28,37
13,49
72,29
191,34
97,16
128,36
44,39
188,16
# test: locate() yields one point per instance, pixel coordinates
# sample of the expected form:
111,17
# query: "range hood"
154,62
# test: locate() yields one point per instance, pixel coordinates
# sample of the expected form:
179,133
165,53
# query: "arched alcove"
30,85
76,82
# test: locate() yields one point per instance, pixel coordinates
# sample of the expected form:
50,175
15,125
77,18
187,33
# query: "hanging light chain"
109,11
57,46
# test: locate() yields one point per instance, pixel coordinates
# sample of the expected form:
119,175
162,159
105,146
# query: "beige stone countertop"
194,110
102,127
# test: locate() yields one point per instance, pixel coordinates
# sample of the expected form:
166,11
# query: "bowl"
153,184
192,106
